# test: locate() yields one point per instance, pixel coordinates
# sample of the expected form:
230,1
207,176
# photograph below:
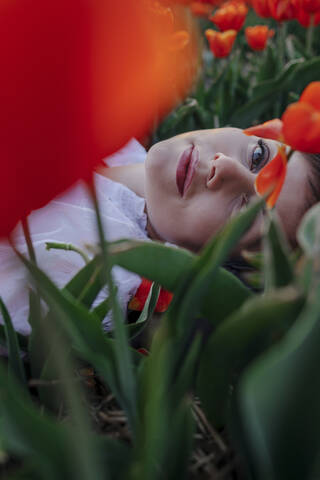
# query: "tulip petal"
271,178
311,95
230,16
271,130
220,42
257,36
301,127
138,301
78,79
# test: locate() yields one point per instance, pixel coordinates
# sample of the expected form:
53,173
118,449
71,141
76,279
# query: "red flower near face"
221,43
258,36
230,16
261,7
282,10
299,128
300,123
138,301
271,129
72,94
271,178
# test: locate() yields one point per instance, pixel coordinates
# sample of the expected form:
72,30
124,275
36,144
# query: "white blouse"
70,218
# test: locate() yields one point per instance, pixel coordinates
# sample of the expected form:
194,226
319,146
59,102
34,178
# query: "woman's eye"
260,156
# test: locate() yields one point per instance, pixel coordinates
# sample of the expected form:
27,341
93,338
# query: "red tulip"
230,16
78,79
309,6
300,123
261,8
282,10
258,36
271,129
138,301
221,43
304,18
311,95
271,178
299,128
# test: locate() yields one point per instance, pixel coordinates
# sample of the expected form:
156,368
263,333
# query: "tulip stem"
309,35
27,236
282,30
67,246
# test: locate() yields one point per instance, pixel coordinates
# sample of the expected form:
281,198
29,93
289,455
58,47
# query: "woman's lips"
186,169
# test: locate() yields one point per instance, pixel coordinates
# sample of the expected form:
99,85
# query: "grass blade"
14,353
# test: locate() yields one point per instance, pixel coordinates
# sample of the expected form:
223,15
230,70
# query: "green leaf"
277,265
38,344
254,280
214,306
68,247
254,259
269,66
102,309
186,305
183,375
278,84
176,118
22,339
182,429
263,95
279,398
155,417
150,303
49,446
295,76
82,277
304,73
14,354
147,312
309,232
85,332
237,341
154,261
87,283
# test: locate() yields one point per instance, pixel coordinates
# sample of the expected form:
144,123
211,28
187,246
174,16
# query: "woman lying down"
182,191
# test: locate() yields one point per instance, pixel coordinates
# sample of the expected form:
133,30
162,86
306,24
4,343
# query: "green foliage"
247,87
15,362
217,336
279,401
237,341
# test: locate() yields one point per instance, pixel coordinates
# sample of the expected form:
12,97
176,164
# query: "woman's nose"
229,173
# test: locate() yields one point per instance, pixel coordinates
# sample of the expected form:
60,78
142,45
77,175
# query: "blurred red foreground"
78,79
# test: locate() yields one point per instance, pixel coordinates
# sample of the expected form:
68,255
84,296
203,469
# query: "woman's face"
196,181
